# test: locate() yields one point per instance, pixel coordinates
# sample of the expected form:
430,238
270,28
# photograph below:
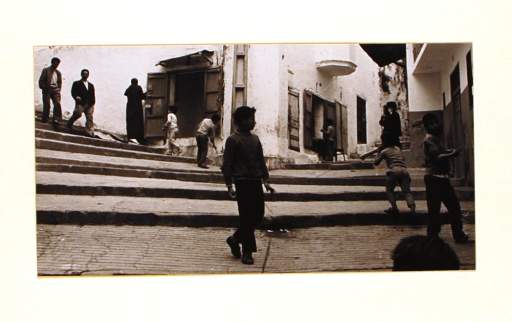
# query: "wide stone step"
88,184
345,165
66,209
113,152
65,137
84,167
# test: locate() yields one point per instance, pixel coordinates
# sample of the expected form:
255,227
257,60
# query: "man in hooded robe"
134,112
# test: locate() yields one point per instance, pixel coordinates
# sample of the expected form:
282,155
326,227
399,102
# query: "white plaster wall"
458,57
263,93
426,90
364,82
229,51
111,69
301,60
397,92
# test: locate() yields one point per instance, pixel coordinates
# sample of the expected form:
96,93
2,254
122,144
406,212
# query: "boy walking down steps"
245,166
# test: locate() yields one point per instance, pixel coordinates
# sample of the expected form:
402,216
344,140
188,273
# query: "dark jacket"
46,78
243,158
432,148
391,124
87,96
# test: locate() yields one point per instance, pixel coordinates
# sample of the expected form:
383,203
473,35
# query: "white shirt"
172,121
206,127
54,79
86,83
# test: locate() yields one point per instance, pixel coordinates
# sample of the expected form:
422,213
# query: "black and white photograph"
254,158
255,161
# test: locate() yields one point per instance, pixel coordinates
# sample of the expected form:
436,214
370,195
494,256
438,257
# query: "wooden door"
341,127
155,108
213,94
308,120
293,120
330,113
457,126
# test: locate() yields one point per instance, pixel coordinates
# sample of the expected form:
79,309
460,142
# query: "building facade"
440,80
295,89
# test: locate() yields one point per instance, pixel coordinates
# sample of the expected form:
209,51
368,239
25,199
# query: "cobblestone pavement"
115,250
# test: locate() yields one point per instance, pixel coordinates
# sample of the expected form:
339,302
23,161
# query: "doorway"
189,102
458,131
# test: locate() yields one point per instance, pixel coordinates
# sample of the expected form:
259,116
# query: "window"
361,121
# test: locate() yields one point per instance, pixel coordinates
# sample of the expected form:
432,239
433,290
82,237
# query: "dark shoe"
247,258
204,166
392,211
235,248
461,238
69,126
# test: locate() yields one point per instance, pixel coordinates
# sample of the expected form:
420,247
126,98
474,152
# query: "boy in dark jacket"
245,166
437,181
391,128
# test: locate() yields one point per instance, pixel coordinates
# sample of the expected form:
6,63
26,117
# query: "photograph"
254,158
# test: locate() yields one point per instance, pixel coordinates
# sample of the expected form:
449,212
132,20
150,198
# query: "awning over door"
384,54
202,58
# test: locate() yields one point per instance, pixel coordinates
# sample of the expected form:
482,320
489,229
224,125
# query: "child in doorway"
171,127
397,174
245,166
437,181
329,141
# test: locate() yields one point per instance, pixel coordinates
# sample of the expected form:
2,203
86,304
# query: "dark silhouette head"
244,118
390,107
135,81
85,74
422,253
431,124
215,118
55,62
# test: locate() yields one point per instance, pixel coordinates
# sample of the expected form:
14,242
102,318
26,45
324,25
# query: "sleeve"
262,160
126,92
74,90
432,149
382,120
59,79
93,94
141,93
379,158
211,131
398,124
42,79
227,163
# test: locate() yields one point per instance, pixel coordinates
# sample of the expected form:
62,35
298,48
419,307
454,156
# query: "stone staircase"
83,180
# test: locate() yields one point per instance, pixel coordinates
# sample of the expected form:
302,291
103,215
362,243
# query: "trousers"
251,210
440,190
57,109
399,176
88,111
202,149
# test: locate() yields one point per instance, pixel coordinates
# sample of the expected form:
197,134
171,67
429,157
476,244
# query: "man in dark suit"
83,94
50,83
